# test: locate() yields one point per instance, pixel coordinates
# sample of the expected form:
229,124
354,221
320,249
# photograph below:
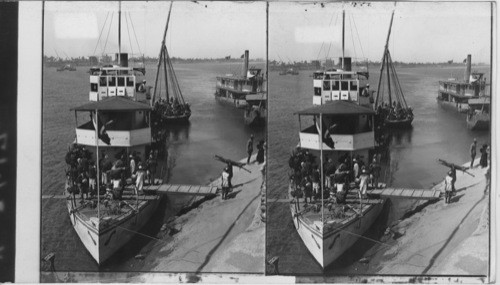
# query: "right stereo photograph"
379,138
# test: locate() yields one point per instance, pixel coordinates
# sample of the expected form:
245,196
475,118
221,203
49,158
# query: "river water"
436,133
214,129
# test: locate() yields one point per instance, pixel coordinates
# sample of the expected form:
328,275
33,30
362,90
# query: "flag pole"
97,163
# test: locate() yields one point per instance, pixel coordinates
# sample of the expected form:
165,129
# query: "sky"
196,29
421,31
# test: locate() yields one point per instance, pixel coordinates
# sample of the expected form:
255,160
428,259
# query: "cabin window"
130,81
354,86
112,81
93,87
317,75
317,91
335,86
344,85
326,85
327,76
121,81
102,81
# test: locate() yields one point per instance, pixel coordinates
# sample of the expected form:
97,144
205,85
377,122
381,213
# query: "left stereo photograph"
153,138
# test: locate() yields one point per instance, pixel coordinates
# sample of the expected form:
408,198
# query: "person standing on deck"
363,182
447,188
355,169
315,182
250,148
139,181
225,183
132,165
92,178
472,151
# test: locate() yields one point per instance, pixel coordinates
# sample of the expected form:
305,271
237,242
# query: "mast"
160,57
388,77
343,37
119,31
386,48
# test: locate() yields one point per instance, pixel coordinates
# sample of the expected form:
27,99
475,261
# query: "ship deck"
335,215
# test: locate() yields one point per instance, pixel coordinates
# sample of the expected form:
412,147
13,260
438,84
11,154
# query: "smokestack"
245,69
346,62
122,59
467,72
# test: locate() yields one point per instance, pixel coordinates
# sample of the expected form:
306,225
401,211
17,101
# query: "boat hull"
182,119
399,124
255,117
455,106
327,244
238,103
104,242
478,122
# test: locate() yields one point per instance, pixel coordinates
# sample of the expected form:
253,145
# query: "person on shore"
225,183
374,172
260,152
229,168
472,151
483,161
151,169
454,178
447,188
249,148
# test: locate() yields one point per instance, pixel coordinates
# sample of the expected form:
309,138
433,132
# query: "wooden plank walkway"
406,193
182,189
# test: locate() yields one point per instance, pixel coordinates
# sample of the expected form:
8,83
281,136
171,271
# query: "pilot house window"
344,85
112,81
354,86
93,87
317,91
326,85
335,86
102,81
121,81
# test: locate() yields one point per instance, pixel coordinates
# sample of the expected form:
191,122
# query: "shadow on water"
343,264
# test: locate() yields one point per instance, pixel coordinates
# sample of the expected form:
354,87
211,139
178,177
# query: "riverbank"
218,235
442,239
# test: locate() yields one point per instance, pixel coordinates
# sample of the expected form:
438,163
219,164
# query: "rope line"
135,35
106,42
100,34
128,33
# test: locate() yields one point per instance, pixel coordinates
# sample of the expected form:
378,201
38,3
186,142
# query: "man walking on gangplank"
250,148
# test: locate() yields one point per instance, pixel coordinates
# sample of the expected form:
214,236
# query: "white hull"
103,243
329,243
460,107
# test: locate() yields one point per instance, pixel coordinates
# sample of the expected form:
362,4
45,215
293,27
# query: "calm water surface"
214,129
412,162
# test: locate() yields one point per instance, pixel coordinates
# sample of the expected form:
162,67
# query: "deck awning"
114,104
337,107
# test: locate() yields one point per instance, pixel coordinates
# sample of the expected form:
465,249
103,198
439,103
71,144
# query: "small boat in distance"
241,90
171,107
392,110
455,94
69,67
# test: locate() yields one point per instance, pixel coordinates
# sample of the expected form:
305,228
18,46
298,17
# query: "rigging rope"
135,35
352,37
359,39
106,43
100,34
128,33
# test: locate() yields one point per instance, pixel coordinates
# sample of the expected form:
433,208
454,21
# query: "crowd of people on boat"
114,173
171,108
394,112
337,179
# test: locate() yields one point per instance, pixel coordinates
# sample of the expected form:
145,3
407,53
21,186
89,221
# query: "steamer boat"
340,127
478,116
242,91
455,94
104,209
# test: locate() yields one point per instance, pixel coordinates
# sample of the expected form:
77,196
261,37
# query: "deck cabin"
116,80
126,124
456,91
340,84
339,127
240,86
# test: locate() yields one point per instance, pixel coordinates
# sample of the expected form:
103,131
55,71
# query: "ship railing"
118,138
344,142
